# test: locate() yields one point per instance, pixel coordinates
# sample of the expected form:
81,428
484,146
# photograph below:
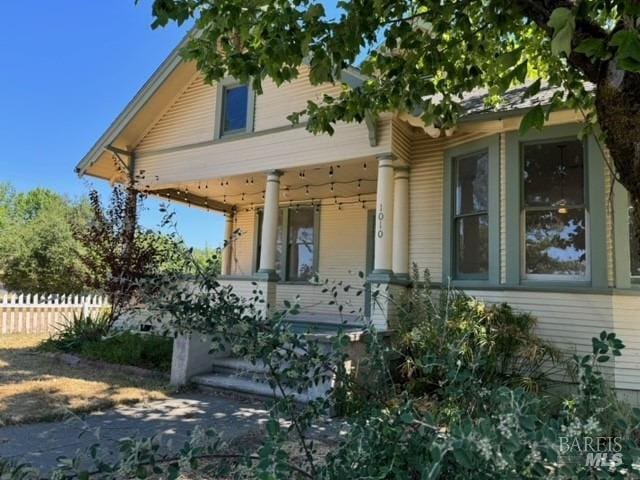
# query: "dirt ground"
36,386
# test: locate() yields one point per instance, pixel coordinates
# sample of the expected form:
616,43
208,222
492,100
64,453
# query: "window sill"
472,283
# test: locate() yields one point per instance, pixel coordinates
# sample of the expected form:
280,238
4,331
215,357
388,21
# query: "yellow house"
533,221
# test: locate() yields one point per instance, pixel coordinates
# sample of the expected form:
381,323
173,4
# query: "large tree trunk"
618,108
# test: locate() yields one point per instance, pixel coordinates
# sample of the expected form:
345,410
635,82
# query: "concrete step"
230,365
244,385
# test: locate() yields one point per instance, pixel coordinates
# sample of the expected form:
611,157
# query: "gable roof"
172,68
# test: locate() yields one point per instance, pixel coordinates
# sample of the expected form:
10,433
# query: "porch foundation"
384,304
190,357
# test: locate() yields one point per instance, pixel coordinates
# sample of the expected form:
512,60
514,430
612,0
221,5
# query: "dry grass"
37,387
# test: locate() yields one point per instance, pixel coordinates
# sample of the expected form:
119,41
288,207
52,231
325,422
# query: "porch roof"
349,181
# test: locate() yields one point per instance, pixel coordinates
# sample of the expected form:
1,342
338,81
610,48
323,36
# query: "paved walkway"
40,444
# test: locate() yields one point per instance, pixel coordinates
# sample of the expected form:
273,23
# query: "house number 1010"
380,218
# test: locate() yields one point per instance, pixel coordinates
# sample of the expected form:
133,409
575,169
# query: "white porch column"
227,248
267,275
270,224
401,223
382,263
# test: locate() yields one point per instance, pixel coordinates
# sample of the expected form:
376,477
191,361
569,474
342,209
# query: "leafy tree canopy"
37,246
416,52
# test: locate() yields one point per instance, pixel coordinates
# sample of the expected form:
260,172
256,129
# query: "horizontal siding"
426,199
608,202
342,250
503,208
276,103
401,141
567,320
244,243
286,149
627,327
190,119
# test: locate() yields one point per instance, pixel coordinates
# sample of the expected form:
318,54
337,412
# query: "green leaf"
520,72
629,65
627,43
509,59
406,417
273,427
533,89
563,23
592,47
533,119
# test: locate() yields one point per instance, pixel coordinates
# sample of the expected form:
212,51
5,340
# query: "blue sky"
66,71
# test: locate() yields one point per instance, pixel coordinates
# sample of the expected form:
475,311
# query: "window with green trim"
554,214
235,109
471,215
296,251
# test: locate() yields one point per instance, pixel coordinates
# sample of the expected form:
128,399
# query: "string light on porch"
287,191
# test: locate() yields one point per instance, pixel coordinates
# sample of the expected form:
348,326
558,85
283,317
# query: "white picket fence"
43,313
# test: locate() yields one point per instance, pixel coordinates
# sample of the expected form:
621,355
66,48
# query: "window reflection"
554,213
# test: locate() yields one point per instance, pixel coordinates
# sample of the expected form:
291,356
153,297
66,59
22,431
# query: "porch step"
238,366
243,385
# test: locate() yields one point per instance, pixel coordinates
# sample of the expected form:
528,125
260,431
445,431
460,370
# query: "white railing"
43,313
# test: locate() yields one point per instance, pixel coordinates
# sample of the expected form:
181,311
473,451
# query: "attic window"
235,107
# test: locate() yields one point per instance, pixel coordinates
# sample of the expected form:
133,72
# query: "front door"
371,232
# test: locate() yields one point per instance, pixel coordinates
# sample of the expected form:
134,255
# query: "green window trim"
594,203
623,277
492,146
223,85
282,271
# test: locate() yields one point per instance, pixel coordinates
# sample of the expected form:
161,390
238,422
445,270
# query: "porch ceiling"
306,184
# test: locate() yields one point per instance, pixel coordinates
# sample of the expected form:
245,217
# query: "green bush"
471,363
450,345
127,348
89,337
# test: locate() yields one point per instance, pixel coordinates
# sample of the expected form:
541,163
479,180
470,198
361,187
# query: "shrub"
127,348
450,344
499,429
89,337
78,330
